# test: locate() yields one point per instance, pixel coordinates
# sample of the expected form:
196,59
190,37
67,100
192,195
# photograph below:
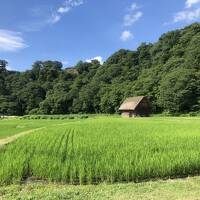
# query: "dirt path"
14,137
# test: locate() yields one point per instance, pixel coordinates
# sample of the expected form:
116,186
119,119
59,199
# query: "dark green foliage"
178,91
168,72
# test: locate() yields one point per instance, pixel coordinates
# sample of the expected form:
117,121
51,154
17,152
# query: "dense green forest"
168,72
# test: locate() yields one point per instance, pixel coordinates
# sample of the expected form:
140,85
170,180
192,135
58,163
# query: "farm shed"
135,106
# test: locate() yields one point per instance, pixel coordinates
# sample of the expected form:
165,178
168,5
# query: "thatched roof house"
135,106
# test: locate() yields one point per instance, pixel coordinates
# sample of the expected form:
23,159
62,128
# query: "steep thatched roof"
131,103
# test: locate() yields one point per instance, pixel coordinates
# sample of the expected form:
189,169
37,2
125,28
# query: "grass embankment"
178,189
105,149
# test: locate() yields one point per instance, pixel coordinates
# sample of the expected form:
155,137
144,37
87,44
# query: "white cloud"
11,41
187,16
44,15
9,68
65,62
134,6
99,58
190,3
55,18
65,8
131,18
126,35
68,5
133,15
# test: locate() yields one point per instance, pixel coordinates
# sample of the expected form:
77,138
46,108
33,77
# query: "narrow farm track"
14,137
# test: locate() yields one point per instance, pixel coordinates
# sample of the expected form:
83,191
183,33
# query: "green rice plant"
105,149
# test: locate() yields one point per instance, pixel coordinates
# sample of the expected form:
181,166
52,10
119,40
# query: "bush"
84,117
54,117
35,111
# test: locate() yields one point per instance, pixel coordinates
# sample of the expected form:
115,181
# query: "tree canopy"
168,72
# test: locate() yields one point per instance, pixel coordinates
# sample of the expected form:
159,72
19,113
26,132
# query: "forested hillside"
168,72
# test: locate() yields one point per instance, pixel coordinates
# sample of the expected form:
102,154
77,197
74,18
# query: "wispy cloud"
68,5
190,3
187,15
65,62
133,15
11,41
54,18
65,8
126,35
130,18
99,58
134,7
45,15
9,68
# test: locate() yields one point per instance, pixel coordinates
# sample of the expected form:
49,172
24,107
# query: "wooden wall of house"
143,109
126,114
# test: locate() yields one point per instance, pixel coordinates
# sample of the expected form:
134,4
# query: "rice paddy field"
102,150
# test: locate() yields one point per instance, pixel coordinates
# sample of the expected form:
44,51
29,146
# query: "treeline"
168,72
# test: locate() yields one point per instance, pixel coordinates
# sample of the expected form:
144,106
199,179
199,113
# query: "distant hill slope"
167,71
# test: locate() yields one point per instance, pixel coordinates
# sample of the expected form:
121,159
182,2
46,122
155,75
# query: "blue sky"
73,30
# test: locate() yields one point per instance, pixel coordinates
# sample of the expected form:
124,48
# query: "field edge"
187,188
